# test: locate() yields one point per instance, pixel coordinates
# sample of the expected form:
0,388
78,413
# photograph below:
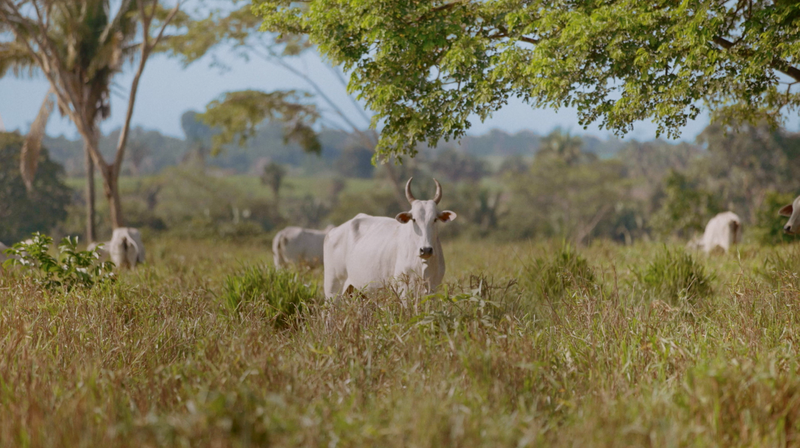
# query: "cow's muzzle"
425,252
788,229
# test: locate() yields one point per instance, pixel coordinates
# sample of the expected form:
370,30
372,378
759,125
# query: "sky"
167,89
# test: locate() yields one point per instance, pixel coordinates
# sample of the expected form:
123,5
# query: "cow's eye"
413,220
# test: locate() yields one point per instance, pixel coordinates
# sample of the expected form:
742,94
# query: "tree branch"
776,63
147,47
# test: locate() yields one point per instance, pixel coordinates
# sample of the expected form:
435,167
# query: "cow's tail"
278,248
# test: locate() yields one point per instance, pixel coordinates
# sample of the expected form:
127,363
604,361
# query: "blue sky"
167,89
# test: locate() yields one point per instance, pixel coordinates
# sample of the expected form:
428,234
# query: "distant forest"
149,151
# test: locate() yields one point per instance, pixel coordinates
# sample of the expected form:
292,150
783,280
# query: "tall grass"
280,294
673,274
157,360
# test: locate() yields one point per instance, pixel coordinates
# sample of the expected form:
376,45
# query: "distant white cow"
295,245
126,248
369,252
723,230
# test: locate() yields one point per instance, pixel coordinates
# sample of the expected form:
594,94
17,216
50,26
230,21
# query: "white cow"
369,252
792,211
723,230
126,248
295,245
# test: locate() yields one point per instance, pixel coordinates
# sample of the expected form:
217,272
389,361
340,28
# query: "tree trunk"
111,189
90,228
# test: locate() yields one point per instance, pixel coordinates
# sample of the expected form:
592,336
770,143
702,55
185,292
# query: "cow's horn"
410,196
438,196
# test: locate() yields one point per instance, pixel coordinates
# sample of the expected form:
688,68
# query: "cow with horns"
370,252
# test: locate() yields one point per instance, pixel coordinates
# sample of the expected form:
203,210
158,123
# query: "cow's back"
296,244
360,253
722,230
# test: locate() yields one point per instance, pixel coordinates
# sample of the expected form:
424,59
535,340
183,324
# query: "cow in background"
296,245
723,231
126,248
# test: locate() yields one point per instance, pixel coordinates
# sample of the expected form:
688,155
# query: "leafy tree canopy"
426,67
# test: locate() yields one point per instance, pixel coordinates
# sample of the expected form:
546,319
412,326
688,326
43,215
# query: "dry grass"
160,360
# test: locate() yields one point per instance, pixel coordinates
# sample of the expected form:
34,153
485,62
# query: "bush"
72,268
280,293
674,275
554,277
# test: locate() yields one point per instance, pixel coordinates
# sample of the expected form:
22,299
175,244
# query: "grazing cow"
126,248
370,251
295,245
792,211
723,230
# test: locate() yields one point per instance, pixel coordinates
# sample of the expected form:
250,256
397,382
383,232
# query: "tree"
563,146
426,68
238,113
23,212
80,47
197,134
273,178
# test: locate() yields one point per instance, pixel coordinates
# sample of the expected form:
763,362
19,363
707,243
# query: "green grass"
159,359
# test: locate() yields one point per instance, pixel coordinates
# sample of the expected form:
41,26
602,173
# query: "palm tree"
80,46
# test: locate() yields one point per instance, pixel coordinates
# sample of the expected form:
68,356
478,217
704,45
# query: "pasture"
529,344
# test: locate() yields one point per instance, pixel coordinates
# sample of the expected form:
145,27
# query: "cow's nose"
787,228
425,252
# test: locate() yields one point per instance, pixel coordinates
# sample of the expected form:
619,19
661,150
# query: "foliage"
565,272
72,268
273,177
456,166
673,275
768,225
237,115
427,68
280,294
565,197
685,207
742,165
355,161
21,212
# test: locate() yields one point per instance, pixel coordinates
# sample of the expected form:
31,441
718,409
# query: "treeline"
150,152
561,186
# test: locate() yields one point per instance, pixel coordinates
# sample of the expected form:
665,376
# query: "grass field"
159,359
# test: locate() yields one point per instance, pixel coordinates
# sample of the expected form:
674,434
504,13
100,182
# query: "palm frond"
15,57
29,157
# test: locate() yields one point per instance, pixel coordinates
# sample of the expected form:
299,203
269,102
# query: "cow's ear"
403,218
787,210
447,216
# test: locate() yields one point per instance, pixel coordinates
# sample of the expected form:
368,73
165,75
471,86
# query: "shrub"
71,268
554,277
281,293
674,274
